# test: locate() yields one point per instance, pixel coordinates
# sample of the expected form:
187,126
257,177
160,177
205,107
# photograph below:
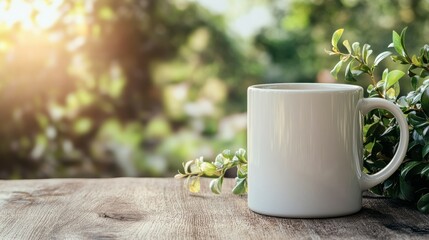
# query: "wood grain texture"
150,208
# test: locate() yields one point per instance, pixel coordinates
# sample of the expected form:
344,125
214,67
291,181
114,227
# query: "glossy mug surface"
305,149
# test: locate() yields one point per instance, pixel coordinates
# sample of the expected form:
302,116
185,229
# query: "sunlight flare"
30,15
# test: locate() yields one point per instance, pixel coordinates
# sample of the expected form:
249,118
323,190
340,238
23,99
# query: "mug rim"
305,87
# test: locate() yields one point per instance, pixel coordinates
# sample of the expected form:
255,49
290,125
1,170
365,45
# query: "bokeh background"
105,88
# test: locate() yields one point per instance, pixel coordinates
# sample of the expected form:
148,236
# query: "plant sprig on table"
194,169
381,134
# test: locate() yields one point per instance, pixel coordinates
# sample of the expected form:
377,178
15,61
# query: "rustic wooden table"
150,208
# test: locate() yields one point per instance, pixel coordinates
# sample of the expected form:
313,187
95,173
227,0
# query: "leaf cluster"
194,169
381,133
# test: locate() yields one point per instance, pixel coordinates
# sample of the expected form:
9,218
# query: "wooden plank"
150,208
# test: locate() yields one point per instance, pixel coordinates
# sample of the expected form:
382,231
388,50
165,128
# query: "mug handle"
364,106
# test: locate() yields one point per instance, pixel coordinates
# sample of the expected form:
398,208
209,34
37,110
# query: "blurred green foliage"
297,42
115,88
107,88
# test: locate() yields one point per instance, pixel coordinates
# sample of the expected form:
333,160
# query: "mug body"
303,139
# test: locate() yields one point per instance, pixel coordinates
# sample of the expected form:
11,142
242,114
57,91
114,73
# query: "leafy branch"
381,135
358,63
194,169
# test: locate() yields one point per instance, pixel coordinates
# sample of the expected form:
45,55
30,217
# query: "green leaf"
227,154
357,72
416,61
392,78
370,88
241,155
209,169
336,69
348,73
187,166
412,144
242,170
367,55
384,75
391,188
366,52
356,48
425,150
423,203
365,49
413,167
425,101
194,184
216,185
336,37
240,186
425,132
388,184
425,171
388,130
368,147
406,191
417,137
393,92
414,81
424,53
416,98
403,103
397,89
347,45
403,33
380,57
397,44
223,159
415,120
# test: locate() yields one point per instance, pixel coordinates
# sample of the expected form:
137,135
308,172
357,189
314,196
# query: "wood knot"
122,216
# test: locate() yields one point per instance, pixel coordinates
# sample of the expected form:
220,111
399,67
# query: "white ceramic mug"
305,149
